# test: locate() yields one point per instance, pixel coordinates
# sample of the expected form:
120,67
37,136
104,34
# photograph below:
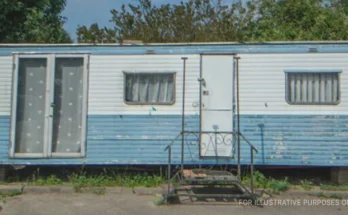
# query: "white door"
216,106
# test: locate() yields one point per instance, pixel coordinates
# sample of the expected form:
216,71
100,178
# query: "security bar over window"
150,88
310,87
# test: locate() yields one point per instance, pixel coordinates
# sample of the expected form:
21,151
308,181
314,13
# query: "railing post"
183,114
238,120
169,167
252,170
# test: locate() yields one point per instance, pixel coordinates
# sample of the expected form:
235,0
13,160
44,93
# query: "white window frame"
125,73
318,71
47,146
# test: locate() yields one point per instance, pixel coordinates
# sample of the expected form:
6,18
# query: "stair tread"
206,175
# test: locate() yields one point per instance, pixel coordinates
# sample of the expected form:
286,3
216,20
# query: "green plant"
269,184
306,184
329,196
82,180
335,196
50,180
159,202
99,191
2,200
334,188
14,192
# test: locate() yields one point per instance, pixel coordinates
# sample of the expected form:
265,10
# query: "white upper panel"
262,82
106,83
5,84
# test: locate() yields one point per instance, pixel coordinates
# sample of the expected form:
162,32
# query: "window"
312,87
149,88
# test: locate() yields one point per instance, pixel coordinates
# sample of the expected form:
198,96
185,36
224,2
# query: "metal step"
203,176
227,196
204,183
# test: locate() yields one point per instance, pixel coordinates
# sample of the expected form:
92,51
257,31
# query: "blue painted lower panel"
297,139
140,139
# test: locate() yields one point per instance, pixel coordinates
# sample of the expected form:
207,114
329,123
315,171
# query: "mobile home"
123,104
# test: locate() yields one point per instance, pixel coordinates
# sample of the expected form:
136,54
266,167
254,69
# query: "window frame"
125,73
313,71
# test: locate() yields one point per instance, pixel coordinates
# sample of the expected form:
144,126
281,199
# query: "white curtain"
316,88
150,88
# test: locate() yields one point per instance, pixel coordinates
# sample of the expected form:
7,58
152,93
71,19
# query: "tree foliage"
35,21
211,20
298,20
94,34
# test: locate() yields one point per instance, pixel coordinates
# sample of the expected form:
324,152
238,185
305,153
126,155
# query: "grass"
82,181
328,196
50,180
306,184
99,191
271,185
97,181
87,180
12,193
160,201
334,187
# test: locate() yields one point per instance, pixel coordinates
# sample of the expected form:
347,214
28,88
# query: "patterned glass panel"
30,116
67,117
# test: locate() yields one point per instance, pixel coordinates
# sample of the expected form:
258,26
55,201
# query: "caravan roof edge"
7,45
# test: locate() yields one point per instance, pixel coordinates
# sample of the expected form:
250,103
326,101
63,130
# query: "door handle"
53,105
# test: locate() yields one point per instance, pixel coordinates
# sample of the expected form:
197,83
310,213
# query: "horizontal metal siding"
293,135
262,82
5,84
121,139
106,83
4,137
297,139
137,139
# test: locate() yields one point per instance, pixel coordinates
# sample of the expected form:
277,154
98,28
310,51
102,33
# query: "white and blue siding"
137,134
117,133
292,134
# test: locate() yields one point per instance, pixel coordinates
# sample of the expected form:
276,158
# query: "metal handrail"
173,141
248,142
169,148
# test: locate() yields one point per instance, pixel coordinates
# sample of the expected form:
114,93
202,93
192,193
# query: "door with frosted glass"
68,105
30,113
49,106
